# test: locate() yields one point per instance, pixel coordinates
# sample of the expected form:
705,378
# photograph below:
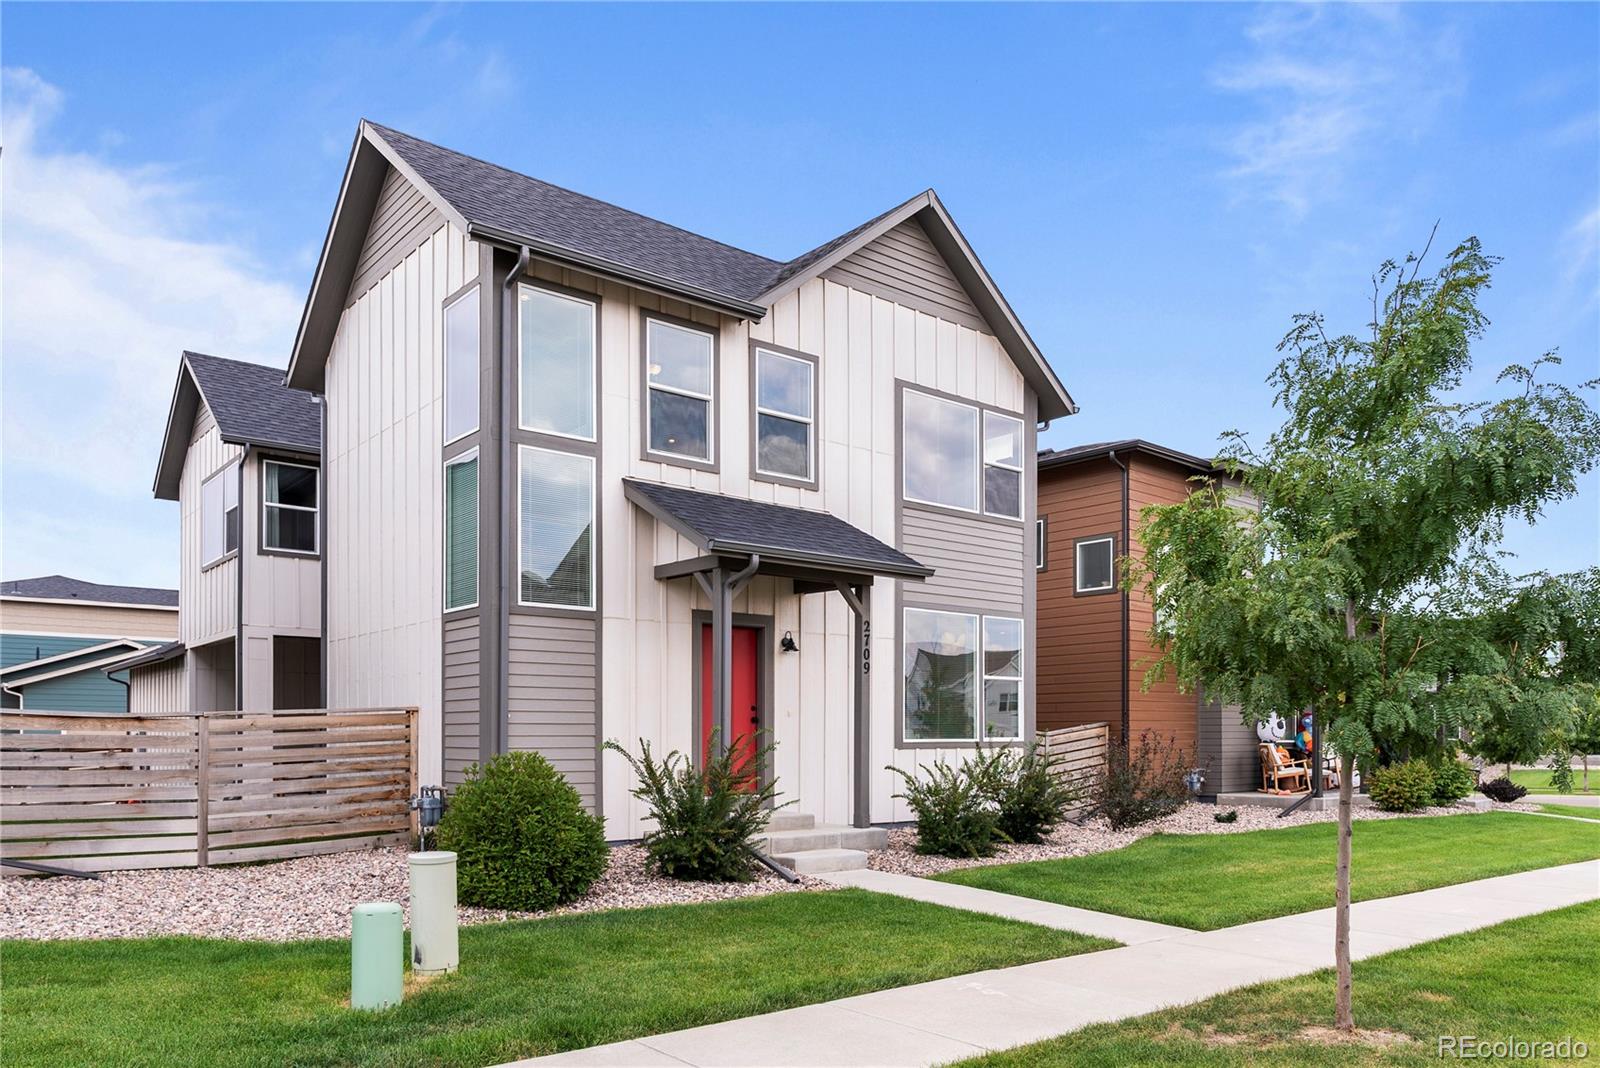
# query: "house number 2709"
866,646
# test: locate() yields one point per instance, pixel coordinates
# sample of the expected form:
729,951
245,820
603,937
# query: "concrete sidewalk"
950,1019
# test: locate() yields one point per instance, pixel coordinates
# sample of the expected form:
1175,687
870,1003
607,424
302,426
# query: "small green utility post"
377,955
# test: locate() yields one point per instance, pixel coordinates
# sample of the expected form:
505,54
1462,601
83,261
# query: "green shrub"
1502,790
521,836
1402,787
955,817
1230,816
1452,780
1025,786
704,817
1561,771
1142,782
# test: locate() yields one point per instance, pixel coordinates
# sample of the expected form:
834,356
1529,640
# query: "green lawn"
1532,978
1583,812
524,988
1206,881
1537,780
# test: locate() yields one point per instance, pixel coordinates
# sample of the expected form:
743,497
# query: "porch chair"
1277,770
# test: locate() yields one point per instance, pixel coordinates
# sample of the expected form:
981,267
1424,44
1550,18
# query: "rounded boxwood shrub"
522,838
1452,780
1402,787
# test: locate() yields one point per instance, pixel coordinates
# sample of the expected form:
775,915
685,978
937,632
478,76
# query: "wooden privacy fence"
95,792
1078,753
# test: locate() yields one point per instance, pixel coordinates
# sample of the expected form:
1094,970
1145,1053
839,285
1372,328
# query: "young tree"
1347,594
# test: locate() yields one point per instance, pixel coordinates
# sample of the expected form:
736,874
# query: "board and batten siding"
207,596
383,480
159,688
283,593
550,698
461,686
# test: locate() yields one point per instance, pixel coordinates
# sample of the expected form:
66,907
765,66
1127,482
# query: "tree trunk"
1585,772
1345,1017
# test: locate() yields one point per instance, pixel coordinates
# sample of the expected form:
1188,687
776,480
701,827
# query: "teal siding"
21,648
87,691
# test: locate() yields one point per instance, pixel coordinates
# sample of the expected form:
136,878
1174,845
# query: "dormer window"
289,507
680,387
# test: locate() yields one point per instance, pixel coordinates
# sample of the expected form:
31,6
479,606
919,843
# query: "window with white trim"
785,395
956,455
289,507
461,366
555,528
219,514
461,531
1041,539
680,388
556,358
1094,569
1002,465
962,675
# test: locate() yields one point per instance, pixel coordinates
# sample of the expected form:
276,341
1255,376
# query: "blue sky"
1156,188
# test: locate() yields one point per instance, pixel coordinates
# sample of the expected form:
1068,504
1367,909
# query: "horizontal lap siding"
977,564
461,697
903,266
401,220
551,694
23,619
1159,706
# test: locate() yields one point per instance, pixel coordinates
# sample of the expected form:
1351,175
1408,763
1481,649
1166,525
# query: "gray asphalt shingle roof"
252,405
722,524
62,588
1049,458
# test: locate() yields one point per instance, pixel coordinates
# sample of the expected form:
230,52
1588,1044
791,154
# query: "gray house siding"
551,694
1228,747
461,659
979,564
402,220
903,266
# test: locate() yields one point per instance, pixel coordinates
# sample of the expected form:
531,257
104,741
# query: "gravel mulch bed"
1096,835
309,897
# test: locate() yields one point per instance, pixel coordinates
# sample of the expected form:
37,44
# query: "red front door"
745,706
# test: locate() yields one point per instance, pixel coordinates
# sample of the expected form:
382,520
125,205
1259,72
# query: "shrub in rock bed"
1026,788
704,817
521,835
1403,787
956,817
1452,780
1142,782
1503,790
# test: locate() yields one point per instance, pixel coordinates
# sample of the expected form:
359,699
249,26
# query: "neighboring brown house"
1093,644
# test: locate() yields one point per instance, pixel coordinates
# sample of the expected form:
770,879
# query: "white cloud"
1581,248
1329,83
109,273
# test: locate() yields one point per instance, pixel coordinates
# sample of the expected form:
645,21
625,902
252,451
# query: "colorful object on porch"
1280,774
377,955
1307,743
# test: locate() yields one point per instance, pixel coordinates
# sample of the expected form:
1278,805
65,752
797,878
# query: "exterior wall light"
787,644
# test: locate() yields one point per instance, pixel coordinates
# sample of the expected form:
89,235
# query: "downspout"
323,543
508,474
1125,644
238,604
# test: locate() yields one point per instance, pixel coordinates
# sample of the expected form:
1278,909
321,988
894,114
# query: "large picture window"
219,515
555,524
940,450
963,677
680,381
461,366
785,397
461,532
289,507
556,343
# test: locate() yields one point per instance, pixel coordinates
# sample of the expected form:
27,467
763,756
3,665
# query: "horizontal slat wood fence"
94,792
1078,753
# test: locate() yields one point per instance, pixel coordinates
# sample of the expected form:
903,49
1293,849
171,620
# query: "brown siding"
1160,707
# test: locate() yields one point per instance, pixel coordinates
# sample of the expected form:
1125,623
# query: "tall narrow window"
555,523
461,531
556,342
939,448
1041,542
680,372
461,366
1002,678
785,392
1002,465
289,507
219,514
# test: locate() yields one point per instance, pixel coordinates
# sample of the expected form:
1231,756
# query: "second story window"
680,383
1094,569
955,456
556,343
1002,465
784,420
219,515
289,507
461,366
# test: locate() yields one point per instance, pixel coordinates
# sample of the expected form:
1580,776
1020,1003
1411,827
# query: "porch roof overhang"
799,543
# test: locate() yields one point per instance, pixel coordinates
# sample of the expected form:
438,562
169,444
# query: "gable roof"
1049,458
62,588
718,524
251,404
502,207
49,667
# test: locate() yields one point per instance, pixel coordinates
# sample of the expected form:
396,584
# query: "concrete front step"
784,820
819,861
824,836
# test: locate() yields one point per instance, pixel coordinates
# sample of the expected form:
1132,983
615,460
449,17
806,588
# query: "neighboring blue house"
62,641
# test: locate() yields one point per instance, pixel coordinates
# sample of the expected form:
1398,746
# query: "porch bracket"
858,598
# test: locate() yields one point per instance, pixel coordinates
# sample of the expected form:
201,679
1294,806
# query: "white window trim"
232,466
977,426
1022,483
477,536
1041,541
594,363
444,348
776,413
982,676
316,516
1077,565
709,398
594,494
